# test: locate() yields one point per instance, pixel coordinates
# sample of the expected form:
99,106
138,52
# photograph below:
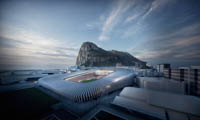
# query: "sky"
47,34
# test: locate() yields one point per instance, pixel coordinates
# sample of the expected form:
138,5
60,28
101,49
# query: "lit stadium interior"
90,76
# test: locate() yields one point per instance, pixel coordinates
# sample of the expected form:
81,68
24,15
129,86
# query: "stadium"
87,85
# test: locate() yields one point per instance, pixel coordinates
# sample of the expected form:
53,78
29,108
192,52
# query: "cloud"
144,8
150,36
180,44
28,44
112,20
156,4
128,11
188,41
144,16
177,55
32,40
55,54
90,26
96,24
131,18
30,37
148,54
186,31
139,11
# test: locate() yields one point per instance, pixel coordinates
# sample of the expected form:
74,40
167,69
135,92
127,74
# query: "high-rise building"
161,67
190,75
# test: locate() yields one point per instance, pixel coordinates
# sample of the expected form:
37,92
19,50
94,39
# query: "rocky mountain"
91,55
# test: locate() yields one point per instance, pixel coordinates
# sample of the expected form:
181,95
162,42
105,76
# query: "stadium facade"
73,87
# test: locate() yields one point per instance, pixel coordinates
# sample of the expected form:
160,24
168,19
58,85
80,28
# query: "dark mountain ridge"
90,55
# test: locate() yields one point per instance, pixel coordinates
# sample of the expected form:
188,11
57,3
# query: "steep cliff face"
91,55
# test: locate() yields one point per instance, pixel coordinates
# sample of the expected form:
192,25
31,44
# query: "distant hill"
90,55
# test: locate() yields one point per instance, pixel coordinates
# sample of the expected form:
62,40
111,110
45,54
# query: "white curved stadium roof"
80,92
